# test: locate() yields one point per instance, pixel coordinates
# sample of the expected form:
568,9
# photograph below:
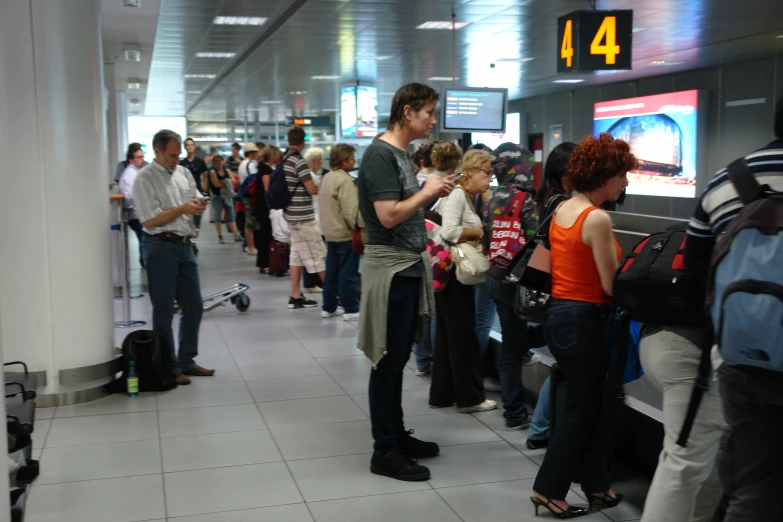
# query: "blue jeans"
514,346
386,378
423,351
539,427
218,206
485,315
577,334
342,272
172,273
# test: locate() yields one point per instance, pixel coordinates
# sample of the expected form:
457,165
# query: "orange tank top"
574,273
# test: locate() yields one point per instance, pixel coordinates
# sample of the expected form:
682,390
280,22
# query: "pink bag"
440,256
508,237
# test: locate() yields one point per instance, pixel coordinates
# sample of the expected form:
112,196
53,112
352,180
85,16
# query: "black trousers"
578,336
456,358
386,379
750,463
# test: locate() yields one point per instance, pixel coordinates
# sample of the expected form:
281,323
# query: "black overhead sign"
311,121
594,41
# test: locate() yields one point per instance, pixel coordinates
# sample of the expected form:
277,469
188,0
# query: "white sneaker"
484,406
252,252
315,290
336,313
534,359
351,317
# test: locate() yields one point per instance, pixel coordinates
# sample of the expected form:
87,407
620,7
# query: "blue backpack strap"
745,182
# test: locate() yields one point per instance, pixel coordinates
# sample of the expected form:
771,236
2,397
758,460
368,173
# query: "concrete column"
56,305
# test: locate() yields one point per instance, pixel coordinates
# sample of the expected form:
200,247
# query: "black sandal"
604,500
571,512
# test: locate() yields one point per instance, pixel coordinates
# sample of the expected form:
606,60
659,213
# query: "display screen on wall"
662,131
468,109
141,129
348,119
494,139
367,110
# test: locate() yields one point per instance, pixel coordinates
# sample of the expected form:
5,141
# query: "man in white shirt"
166,200
135,160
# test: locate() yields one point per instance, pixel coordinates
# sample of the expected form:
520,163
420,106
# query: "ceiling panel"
324,37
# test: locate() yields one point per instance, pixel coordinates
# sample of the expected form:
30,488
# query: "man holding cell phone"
167,201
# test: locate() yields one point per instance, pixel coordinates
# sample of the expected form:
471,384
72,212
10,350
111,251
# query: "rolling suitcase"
278,258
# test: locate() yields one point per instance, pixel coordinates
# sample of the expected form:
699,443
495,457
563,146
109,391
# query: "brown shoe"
198,371
181,379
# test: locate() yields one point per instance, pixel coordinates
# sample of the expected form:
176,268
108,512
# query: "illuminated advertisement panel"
141,129
367,111
495,139
662,131
348,119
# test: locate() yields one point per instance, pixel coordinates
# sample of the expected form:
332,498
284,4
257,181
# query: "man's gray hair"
164,137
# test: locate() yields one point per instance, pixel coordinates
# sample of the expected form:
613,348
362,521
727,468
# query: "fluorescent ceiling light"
442,79
370,57
325,77
269,102
638,29
607,72
387,93
442,25
134,102
134,84
663,62
239,20
200,76
192,92
131,3
573,80
294,92
328,110
517,60
215,55
779,36
132,53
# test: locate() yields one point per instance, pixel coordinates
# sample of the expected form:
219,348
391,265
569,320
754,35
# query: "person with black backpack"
735,236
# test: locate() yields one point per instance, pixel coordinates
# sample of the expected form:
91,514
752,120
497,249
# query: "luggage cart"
236,294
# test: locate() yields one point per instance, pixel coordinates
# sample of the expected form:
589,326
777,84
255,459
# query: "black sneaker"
415,448
535,444
522,424
399,466
301,302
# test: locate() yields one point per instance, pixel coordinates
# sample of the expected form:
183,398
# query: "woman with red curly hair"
585,255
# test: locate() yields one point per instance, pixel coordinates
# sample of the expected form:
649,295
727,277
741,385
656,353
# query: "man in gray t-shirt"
392,206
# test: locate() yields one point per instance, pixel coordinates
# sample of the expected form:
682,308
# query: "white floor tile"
260,352
204,393
414,402
301,412
129,499
40,431
280,369
294,388
324,440
44,413
478,463
450,429
290,513
344,477
210,419
357,383
77,431
100,461
218,450
116,403
503,502
417,506
223,489
341,348
348,364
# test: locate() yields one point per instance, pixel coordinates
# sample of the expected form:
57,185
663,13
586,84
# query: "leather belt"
171,237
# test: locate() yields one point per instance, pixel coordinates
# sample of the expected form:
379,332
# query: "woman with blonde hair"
456,369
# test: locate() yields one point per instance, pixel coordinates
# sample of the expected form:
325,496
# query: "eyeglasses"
488,172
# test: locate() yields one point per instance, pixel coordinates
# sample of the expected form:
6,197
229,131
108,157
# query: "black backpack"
152,356
278,197
653,286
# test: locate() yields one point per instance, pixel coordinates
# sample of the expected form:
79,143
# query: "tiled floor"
281,433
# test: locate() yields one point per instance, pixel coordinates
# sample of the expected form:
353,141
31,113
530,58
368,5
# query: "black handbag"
529,304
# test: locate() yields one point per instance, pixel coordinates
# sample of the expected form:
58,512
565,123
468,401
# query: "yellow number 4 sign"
608,33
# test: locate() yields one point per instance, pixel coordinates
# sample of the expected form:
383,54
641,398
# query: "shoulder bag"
470,263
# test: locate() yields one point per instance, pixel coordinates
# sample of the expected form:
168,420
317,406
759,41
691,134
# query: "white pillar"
56,303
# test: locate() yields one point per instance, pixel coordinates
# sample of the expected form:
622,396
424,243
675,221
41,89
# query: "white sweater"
457,214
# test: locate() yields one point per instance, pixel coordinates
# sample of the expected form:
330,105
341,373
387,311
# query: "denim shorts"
218,206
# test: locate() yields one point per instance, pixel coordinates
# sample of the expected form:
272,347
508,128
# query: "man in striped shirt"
751,454
307,245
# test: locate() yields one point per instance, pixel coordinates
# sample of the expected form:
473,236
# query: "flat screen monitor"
367,111
471,109
662,131
495,139
141,129
348,120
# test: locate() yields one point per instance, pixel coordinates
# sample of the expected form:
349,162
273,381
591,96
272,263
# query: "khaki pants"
685,487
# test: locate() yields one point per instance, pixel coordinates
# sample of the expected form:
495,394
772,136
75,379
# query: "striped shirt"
720,203
156,189
296,174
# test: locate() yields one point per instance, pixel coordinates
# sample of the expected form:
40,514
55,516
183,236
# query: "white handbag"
471,265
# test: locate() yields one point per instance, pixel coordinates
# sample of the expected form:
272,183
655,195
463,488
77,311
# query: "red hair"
596,160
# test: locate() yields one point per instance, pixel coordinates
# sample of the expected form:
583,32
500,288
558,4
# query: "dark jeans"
342,272
514,332
262,237
750,463
386,379
173,274
456,360
135,225
578,336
